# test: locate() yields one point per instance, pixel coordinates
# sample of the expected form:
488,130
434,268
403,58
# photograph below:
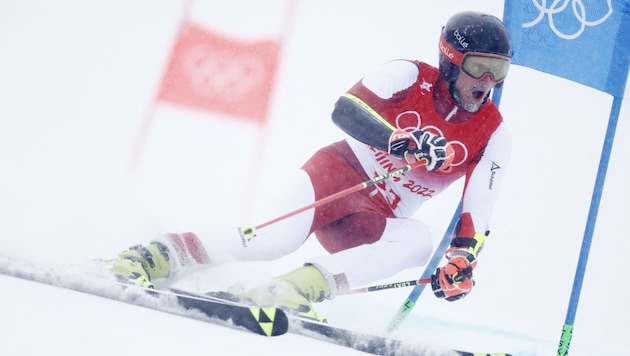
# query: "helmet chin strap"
452,113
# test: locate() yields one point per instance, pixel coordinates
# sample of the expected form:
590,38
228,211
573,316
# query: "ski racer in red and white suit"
371,234
444,116
410,96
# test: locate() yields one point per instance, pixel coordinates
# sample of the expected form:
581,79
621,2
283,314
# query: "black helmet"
474,33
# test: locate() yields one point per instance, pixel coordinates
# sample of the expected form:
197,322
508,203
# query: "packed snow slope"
78,81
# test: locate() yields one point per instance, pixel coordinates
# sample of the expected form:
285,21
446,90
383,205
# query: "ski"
220,308
267,321
359,341
368,343
263,321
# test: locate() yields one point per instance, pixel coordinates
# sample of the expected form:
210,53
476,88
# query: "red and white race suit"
371,234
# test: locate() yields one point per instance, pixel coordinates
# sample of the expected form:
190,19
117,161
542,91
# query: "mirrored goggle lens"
476,66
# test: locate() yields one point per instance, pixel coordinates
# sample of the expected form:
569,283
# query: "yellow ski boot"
141,265
293,292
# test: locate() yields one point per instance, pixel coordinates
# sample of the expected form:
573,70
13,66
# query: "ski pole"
388,286
248,232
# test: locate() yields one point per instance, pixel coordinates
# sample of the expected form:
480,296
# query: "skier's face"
471,93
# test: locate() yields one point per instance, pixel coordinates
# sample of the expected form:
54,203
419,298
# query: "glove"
422,145
454,281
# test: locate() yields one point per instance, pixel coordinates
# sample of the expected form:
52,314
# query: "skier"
403,112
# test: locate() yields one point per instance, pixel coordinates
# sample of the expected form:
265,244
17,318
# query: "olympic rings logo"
558,6
218,73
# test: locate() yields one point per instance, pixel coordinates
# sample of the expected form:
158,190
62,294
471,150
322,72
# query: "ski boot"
293,292
141,265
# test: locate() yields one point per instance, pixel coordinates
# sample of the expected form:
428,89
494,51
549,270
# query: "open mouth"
478,94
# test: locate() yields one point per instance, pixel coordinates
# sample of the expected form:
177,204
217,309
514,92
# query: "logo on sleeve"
493,171
425,86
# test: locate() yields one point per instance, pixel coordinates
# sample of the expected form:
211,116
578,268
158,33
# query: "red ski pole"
248,232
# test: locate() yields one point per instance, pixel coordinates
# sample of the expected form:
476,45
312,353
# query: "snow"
49,319
78,80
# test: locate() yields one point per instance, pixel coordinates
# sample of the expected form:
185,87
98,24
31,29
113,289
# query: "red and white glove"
422,145
454,281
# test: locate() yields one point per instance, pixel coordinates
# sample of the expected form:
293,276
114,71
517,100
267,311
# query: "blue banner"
585,41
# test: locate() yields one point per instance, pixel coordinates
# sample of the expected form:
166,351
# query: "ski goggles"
476,64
